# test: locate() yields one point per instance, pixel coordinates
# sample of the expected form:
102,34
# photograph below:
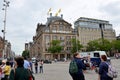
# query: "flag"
58,12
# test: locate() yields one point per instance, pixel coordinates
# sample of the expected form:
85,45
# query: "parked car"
48,61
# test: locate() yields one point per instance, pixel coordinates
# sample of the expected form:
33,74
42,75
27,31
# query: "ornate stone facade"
56,28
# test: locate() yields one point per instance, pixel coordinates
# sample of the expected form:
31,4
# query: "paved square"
59,71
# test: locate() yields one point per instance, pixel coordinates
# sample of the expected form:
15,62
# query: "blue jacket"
79,75
103,69
80,65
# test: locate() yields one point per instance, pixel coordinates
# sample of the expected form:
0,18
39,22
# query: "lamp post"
5,5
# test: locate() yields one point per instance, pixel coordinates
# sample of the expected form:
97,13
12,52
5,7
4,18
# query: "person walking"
36,66
41,66
7,70
19,73
81,67
103,69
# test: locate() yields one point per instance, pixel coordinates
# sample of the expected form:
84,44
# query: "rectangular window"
62,38
68,37
47,40
61,28
54,37
54,29
74,37
47,30
62,43
96,55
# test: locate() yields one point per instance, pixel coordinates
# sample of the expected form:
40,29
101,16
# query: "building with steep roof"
56,28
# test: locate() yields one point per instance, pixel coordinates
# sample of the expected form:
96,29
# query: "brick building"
1,46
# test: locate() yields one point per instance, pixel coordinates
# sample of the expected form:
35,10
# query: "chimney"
62,16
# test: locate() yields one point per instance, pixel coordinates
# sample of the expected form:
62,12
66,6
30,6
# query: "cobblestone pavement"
59,71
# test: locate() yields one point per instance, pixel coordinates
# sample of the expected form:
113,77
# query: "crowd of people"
19,69
22,68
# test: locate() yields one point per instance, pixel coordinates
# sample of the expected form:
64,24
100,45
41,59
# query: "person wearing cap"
3,67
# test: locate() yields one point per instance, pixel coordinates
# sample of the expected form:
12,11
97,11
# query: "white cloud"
111,12
17,4
23,16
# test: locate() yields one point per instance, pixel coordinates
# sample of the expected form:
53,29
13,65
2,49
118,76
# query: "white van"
84,54
94,56
33,59
98,53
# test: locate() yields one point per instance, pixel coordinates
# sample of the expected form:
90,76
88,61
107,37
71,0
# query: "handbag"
31,77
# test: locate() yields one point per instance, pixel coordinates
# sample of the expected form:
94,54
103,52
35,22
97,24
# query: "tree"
25,53
76,46
104,45
99,44
92,45
55,47
116,45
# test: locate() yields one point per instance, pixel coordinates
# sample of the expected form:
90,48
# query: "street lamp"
5,5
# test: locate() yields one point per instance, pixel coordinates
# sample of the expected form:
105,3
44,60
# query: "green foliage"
76,46
116,45
25,53
55,47
100,44
92,46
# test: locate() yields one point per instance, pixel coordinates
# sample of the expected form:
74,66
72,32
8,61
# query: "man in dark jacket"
79,75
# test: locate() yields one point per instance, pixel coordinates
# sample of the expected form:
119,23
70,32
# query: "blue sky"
23,16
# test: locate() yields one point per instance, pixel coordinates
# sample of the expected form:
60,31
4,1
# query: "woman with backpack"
103,69
77,74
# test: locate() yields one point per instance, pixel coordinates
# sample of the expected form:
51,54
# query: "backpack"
31,77
73,68
112,71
